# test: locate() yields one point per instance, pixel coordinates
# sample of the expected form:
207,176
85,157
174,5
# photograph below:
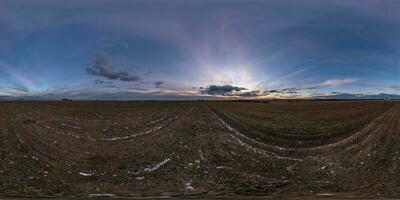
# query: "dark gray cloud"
20,88
224,90
99,82
100,67
253,93
158,84
274,91
234,91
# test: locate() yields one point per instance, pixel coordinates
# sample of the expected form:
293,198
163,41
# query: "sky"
199,49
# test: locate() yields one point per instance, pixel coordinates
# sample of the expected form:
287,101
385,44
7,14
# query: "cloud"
253,93
100,67
234,91
336,82
231,91
224,90
14,90
99,82
395,87
330,83
274,91
20,88
158,84
22,80
358,96
291,90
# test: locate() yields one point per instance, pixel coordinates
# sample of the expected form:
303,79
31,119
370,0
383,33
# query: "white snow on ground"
256,150
155,121
263,152
84,174
152,168
157,166
141,134
201,155
241,135
70,126
57,131
188,185
113,138
102,195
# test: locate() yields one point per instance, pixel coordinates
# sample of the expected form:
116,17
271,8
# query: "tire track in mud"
157,127
255,149
365,135
152,131
82,155
169,121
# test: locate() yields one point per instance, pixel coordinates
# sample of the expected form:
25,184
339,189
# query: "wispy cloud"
395,87
358,96
330,83
19,78
334,82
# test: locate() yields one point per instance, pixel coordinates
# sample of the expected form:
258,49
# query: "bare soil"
202,149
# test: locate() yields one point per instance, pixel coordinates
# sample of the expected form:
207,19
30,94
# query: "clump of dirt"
29,121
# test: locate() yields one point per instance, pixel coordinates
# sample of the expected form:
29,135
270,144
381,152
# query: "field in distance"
204,148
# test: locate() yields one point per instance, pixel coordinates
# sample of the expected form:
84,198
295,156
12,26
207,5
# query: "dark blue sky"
198,49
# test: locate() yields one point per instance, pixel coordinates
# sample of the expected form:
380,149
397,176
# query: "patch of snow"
62,133
151,168
140,134
155,121
256,150
188,185
324,194
102,195
240,134
201,154
157,166
70,126
84,174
